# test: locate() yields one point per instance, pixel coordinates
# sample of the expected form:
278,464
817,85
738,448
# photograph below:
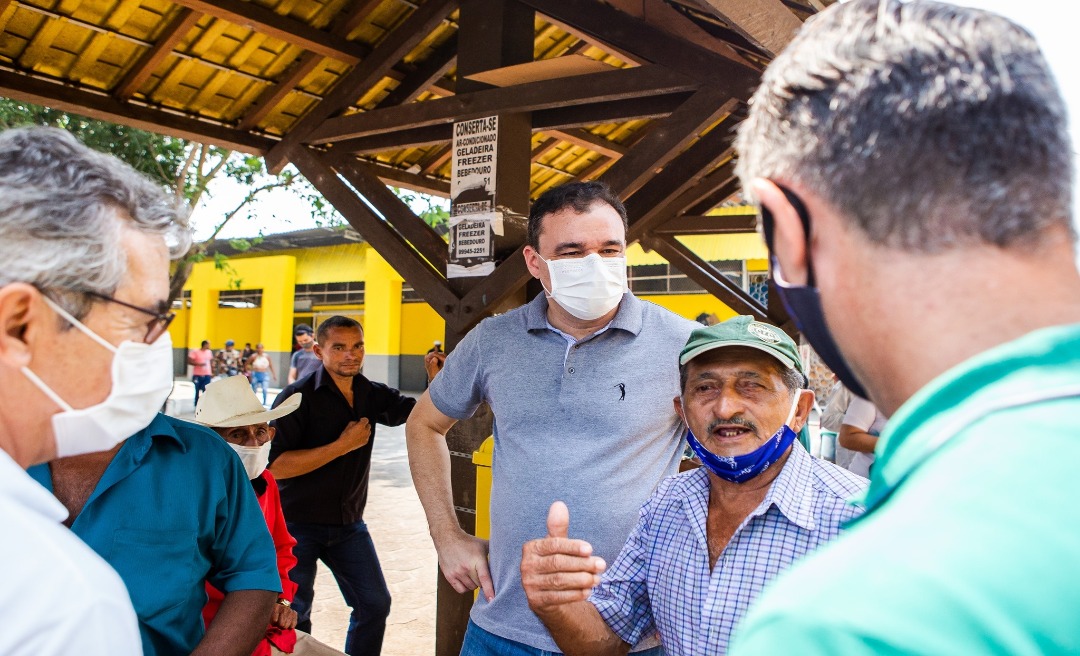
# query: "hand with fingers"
556,570
463,561
356,434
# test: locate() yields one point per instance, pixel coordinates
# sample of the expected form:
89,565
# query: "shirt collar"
628,317
140,442
792,492
324,379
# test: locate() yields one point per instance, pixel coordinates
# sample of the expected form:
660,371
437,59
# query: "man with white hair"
914,171
83,280
86,365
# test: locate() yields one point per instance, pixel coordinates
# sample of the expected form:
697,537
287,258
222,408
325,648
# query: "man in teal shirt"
914,172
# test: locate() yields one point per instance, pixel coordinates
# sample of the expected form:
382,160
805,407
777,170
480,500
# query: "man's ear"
802,411
317,350
678,408
20,322
789,238
532,261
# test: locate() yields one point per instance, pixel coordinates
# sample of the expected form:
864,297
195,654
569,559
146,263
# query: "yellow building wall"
691,305
238,324
420,327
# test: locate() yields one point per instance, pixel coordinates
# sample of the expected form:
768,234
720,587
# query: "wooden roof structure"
358,94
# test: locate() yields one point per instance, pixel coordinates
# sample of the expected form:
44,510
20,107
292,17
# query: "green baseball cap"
743,331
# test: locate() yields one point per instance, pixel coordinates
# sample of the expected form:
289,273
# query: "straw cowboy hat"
231,402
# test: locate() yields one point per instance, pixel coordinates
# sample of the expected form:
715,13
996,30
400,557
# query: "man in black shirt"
321,458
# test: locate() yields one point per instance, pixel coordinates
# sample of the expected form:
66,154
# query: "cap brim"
788,362
287,406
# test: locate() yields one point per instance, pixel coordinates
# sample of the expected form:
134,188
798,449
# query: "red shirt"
270,502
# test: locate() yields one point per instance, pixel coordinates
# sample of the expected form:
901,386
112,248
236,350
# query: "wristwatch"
285,602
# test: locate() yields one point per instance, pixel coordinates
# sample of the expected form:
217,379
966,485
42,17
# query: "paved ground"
398,527
396,521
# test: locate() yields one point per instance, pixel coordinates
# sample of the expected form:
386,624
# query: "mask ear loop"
46,390
794,407
78,324
547,291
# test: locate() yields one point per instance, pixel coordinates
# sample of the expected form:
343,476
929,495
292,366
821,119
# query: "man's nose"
728,404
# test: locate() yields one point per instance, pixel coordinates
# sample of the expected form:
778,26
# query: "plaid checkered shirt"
661,581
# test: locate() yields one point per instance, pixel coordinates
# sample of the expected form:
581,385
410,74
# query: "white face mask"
587,287
141,381
255,458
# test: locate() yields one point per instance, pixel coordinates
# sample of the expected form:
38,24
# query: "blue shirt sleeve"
458,390
622,598
243,554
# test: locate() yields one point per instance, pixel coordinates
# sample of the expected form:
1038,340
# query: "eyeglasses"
155,328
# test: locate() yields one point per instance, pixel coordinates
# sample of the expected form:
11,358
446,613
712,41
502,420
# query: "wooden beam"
766,23
272,95
596,87
593,142
432,162
395,177
707,224
706,275
718,195
660,14
543,121
419,234
268,22
351,86
665,140
594,169
507,280
430,71
628,34
417,271
608,112
650,203
543,148
99,105
397,140
180,25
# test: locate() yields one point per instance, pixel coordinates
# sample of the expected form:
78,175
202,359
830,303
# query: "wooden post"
493,34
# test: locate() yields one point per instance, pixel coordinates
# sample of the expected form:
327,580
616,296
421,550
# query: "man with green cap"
708,540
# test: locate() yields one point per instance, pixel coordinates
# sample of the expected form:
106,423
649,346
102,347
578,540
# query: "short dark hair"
336,321
205,342
578,195
302,329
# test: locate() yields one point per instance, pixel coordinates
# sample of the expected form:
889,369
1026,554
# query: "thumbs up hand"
557,570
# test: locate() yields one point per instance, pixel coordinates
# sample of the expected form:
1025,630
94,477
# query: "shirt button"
577,346
570,370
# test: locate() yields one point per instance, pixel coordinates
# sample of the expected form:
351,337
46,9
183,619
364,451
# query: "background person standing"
202,373
321,458
304,361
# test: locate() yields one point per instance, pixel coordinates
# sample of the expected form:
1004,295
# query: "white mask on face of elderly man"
141,382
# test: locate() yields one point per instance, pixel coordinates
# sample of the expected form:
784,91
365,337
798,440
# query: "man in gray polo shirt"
580,382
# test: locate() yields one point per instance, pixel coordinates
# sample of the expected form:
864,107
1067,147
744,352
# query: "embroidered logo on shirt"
622,390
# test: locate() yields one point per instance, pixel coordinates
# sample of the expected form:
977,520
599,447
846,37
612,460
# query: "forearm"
239,625
578,628
856,439
429,462
302,461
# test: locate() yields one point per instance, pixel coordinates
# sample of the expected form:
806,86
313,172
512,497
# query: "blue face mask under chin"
739,469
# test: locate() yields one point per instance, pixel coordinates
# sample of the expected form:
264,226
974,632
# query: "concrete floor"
410,564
